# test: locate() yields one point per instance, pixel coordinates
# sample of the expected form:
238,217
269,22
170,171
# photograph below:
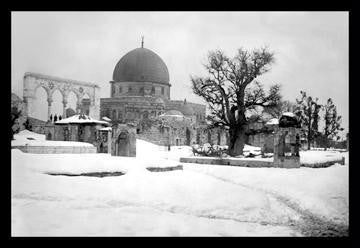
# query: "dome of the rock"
141,65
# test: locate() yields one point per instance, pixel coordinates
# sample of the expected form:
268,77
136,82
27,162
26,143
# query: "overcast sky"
311,48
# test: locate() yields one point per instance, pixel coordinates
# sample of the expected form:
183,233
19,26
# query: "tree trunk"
309,133
237,141
326,144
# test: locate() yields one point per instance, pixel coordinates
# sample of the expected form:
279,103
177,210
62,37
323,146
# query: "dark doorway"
219,138
198,137
188,138
49,136
209,137
81,133
123,145
102,148
66,134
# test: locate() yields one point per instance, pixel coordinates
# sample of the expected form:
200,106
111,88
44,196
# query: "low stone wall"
162,169
254,163
227,161
324,164
56,149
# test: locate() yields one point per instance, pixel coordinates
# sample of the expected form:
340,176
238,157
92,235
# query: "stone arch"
34,80
123,144
85,101
70,102
48,91
41,102
57,99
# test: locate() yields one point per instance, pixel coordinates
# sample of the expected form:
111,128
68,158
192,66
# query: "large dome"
141,65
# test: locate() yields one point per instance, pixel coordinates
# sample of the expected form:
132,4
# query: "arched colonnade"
33,81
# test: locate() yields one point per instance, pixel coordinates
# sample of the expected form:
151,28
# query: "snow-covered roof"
105,129
179,116
106,118
290,114
273,121
81,119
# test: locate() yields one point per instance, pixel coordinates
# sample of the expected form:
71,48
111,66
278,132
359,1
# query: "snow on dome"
81,119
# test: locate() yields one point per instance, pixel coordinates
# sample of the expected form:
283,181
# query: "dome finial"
142,41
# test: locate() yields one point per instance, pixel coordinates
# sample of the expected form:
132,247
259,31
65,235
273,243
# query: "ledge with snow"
312,159
31,142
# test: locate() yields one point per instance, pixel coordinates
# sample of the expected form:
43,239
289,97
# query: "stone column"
49,108
28,106
64,109
109,142
78,106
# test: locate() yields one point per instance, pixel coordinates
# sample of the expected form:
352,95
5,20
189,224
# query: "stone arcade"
32,81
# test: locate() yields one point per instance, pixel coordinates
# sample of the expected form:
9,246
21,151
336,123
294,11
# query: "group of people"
55,118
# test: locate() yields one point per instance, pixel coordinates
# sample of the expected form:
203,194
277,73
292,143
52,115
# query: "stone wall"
177,135
128,109
156,136
227,161
289,163
56,149
263,140
120,89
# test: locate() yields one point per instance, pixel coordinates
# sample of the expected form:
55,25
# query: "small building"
80,128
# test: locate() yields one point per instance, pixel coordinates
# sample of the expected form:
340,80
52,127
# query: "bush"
15,126
209,150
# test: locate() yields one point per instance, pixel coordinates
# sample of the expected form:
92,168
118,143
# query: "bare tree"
332,122
307,110
227,92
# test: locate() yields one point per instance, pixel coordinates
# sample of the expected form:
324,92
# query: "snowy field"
201,200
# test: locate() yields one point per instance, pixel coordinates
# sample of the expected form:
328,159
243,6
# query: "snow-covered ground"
201,200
